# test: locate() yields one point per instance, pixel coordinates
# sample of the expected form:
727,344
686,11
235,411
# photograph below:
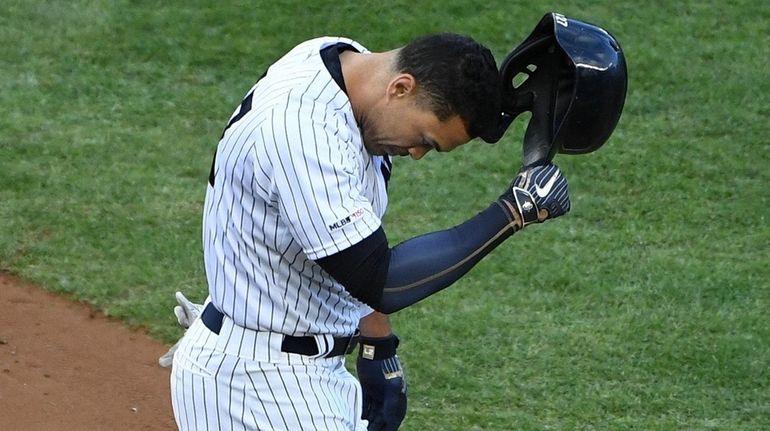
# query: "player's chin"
387,150
394,150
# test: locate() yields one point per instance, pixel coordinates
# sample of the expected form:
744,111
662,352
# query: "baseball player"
298,265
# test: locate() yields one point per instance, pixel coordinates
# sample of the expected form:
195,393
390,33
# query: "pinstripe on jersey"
292,183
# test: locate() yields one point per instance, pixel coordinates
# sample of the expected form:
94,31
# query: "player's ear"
401,85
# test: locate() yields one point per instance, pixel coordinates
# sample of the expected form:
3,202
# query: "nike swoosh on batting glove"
537,194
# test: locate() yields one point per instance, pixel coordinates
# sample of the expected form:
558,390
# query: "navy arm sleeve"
390,279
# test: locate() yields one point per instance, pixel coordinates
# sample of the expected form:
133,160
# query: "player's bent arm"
391,279
424,265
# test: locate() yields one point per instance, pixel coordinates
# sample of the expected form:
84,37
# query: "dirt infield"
64,367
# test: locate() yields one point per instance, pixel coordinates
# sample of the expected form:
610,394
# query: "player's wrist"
508,205
378,348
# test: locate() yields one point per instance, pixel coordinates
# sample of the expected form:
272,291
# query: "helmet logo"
560,19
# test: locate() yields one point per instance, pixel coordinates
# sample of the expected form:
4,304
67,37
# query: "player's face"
402,127
413,132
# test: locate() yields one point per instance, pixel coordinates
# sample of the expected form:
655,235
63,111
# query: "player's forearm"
424,265
375,325
389,280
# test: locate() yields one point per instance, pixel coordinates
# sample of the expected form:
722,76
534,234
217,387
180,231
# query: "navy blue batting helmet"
572,77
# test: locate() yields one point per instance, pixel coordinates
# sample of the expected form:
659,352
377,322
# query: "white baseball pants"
240,380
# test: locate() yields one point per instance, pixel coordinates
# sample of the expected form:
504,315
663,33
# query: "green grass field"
646,308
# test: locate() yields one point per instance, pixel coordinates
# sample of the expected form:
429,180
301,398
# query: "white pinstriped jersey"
292,183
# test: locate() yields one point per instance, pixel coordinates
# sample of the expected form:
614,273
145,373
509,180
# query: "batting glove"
537,194
186,313
383,383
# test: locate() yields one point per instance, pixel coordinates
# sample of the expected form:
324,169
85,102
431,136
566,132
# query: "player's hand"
383,383
167,358
537,194
186,313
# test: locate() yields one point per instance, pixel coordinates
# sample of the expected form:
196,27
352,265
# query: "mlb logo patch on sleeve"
352,217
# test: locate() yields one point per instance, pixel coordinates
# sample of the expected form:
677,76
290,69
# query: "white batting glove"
167,359
186,313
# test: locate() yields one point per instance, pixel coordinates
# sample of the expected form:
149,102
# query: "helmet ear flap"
525,78
537,77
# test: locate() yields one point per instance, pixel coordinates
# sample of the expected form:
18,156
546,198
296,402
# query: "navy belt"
307,346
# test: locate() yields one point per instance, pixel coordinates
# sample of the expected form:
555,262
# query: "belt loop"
324,343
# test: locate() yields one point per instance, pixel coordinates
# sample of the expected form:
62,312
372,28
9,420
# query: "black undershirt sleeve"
361,268
389,280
